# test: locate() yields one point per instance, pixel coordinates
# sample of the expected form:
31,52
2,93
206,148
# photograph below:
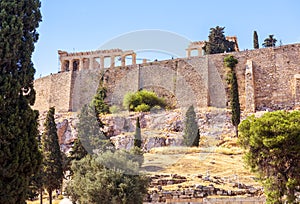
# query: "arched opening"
75,65
164,93
66,65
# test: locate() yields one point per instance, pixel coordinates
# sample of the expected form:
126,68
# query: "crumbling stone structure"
199,47
92,59
269,78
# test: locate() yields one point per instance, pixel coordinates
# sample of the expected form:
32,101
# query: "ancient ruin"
92,59
268,78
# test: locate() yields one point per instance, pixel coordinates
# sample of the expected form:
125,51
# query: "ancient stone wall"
268,78
53,90
273,76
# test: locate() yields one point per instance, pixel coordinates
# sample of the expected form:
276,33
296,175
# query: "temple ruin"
93,59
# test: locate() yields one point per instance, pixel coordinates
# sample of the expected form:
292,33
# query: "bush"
114,109
145,99
142,108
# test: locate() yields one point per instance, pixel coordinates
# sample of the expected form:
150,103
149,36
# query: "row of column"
78,63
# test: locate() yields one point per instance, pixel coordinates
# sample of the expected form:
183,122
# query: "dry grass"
225,161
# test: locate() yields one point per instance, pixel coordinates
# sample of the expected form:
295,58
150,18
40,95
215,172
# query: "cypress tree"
89,131
137,135
19,153
191,131
52,163
255,40
231,62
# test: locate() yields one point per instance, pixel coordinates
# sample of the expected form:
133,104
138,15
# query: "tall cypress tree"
137,135
19,154
231,62
255,40
191,135
52,163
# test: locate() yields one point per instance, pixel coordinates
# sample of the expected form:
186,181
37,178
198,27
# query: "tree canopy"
142,101
108,177
230,62
191,135
272,144
255,40
52,157
19,154
217,42
270,41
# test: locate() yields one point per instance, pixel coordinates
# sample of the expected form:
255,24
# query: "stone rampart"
53,90
268,78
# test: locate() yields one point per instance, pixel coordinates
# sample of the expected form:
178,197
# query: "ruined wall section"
53,90
42,97
184,79
274,71
119,81
84,87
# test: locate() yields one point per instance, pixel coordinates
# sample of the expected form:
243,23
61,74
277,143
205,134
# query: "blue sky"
76,25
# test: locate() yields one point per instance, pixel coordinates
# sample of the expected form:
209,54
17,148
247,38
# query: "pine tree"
217,42
19,153
255,40
52,163
137,135
231,62
191,132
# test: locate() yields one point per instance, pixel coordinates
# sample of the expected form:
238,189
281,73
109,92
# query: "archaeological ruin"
269,78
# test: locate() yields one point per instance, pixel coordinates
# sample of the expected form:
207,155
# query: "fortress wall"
119,81
274,72
53,90
274,81
84,87
60,91
42,97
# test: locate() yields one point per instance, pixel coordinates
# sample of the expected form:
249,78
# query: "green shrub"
142,108
142,101
114,109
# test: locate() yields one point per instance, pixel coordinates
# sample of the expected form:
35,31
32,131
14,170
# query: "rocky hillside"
159,129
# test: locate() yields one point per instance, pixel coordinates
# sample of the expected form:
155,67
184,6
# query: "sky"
76,25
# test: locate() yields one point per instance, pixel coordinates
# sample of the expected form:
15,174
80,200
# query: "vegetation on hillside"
109,177
255,40
217,42
191,135
137,134
89,131
270,41
101,107
272,144
230,62
19,153
142,101
52,169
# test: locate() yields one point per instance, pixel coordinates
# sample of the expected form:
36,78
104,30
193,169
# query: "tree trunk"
41,195
236,131
50,196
